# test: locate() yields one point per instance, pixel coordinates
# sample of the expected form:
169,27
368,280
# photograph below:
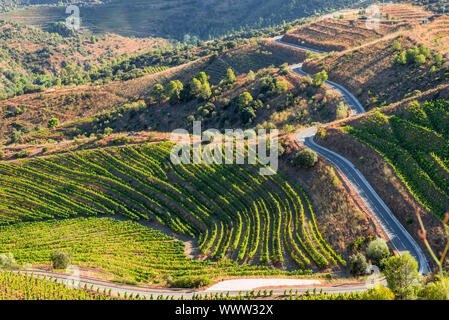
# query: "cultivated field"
336,34
121,251
231,211
25,287
403,152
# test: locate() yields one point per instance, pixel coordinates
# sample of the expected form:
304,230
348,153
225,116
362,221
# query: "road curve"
396,233
152,292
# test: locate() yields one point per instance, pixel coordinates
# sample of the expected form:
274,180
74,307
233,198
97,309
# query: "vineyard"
415,143
118,250
152,70
435,34
241,60
231,210
405,12
25,287
336,34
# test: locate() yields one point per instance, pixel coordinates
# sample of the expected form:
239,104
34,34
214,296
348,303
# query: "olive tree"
377,250
402,275
7,260
60,259
357,264
158,93
379,292
305,159
53,123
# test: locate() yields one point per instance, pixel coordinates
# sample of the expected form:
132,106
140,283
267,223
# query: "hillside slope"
181,18
402,151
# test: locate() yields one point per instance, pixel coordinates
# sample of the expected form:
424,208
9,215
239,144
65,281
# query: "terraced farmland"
435,34
405,12
337,34
25,287
115,250
242,60
415,143
231,210
152,70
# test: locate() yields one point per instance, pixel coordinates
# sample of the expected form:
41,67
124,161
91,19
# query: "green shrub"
305,159
319,78
436,290
23,154
357,264
190,282
53,123
60,259
378,293
342,111
377,250
402,275
7,261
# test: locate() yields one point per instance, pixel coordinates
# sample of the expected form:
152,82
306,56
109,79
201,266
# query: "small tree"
195,87
245,99
396,46
379,292
281,87
319,78
436,290
288,128
251,76
283,69
60,259
438,59
357,264
202,76
205,91
173,91
377,250
53,123
342,111
7,260
420,59
287,28
402,275
305,159
230,76
158,93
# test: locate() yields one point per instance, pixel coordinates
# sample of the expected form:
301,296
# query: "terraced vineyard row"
122,250
405,12
25,287
231,210
435,34
324,34
151,70
416,144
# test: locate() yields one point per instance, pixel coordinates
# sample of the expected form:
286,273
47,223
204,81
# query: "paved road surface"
399,237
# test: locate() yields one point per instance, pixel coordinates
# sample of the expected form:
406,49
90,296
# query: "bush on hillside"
190,282
60,259
357,264
7,261
377,250
305,159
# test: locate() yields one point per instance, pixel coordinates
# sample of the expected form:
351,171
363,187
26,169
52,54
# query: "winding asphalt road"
396,233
